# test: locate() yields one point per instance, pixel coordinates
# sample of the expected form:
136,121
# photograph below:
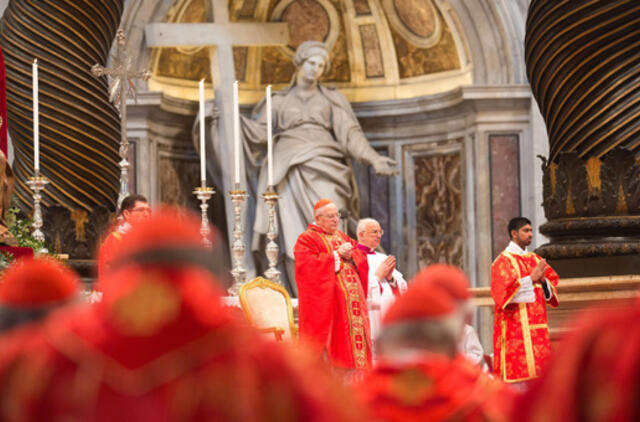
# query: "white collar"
124,227
515,249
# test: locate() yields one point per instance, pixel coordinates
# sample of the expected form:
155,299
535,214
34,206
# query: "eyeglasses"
142,210
380,232
331,216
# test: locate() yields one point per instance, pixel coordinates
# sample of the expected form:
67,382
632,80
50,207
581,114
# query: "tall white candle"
236,133
36,120
203,174
269,138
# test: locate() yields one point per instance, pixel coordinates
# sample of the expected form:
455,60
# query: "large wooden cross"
222,35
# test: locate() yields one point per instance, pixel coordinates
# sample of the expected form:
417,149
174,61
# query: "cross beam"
210,34
222,34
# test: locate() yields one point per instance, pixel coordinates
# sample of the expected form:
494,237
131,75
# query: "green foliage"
5,260
21,229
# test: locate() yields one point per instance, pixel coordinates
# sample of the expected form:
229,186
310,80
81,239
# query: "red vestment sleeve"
504,281
315,278
552,277
107,251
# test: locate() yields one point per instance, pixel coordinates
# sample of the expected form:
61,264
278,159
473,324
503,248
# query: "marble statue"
316,134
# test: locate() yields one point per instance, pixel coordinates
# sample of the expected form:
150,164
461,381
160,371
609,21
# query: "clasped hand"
537,275
386,267
345,250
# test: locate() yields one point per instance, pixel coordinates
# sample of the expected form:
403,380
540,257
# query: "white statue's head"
311,60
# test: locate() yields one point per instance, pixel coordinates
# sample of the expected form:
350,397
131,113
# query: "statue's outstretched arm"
349,134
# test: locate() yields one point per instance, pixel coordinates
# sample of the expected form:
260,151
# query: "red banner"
3,106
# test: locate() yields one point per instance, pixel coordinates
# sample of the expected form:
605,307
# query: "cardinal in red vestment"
421,376
521,285
133,209
593,375
161,347
31,288
331,275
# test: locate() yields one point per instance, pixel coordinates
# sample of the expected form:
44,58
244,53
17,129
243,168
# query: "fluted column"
583,64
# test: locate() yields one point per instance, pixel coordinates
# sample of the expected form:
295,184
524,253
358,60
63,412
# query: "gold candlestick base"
204,193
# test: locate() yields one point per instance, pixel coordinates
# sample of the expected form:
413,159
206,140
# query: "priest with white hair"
385,281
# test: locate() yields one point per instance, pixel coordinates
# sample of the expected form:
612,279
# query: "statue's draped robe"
333,304
521,343
314,139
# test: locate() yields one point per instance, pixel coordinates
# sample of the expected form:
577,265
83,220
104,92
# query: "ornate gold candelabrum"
204,193
37,183
238,272
271,250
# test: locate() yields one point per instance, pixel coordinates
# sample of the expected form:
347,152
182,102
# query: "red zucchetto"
321,203
31,283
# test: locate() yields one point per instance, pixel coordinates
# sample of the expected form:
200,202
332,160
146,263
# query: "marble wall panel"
248,9
375,197
362,7
178,177
240,62
132,158
439,208
374,66
379,205
505,187
415,61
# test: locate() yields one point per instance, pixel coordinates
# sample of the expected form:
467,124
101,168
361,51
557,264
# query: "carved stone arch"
494,35
136,15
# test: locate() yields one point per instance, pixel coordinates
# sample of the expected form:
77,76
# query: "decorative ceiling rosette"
416,20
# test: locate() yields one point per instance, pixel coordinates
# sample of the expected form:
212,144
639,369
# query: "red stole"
332,305
521,342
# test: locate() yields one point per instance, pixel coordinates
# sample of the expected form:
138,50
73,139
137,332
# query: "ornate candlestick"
238,272
121,86
37,184
271,250
204,193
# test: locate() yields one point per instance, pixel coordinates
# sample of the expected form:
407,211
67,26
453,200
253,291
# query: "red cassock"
160,347
333,305
435,388
521,342
107,250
